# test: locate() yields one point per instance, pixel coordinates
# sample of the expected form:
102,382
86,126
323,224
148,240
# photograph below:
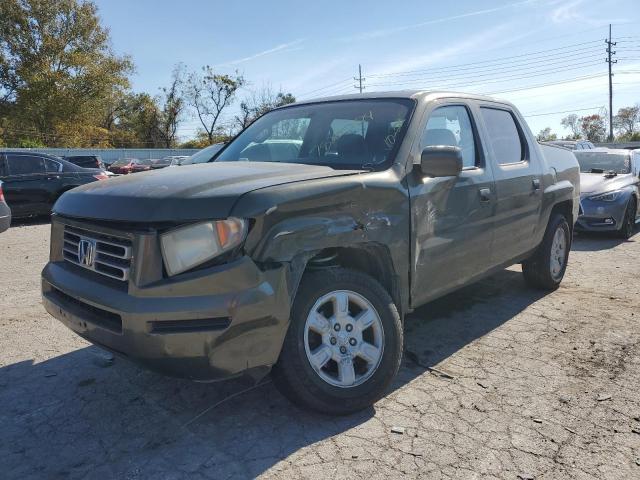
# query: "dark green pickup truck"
304,243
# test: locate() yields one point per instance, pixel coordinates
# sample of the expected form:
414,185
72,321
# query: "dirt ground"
528,385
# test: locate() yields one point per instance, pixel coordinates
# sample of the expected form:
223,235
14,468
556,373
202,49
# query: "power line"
325,87
563,111
489,63
511,77
553,67
537,56
525,56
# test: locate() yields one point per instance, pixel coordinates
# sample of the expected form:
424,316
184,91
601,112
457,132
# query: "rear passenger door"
518,179
24,187
452,217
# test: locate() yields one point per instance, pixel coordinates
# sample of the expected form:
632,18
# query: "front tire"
545,269
344,343
629,221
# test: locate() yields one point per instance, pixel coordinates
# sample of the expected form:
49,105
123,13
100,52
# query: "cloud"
575,12
566,12
290,46
390,31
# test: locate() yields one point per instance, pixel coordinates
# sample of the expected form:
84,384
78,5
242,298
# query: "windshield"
204,155
352,134
601,162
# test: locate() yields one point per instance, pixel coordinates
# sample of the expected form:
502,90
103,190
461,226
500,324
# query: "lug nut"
333,340
349,327
352,342
336,327
343,349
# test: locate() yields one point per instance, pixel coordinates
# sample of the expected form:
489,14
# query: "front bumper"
206,325
599,216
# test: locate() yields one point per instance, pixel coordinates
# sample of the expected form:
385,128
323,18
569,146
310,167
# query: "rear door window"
504,135
51,166
25,164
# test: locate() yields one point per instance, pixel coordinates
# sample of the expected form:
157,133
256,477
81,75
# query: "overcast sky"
313,48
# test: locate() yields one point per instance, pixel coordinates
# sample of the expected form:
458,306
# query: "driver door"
452,217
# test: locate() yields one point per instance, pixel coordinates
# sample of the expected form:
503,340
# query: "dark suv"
32,182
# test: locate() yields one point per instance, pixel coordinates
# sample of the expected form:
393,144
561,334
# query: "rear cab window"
504,135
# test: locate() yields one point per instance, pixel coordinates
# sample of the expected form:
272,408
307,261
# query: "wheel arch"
372,259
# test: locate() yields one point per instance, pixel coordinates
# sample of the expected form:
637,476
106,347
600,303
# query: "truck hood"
194,192
595,183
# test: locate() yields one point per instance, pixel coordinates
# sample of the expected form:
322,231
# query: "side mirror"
441,161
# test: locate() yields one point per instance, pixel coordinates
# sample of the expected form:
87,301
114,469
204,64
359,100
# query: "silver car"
610,192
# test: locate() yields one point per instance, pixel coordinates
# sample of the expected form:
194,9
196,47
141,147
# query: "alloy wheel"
344,338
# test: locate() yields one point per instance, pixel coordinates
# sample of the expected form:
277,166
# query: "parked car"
171,161
142,165
203,156
610,194
573,144
86,161
123,166
5,212
305,259
32,182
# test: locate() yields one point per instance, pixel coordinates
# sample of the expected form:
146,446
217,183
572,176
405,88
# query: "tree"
210,94
593,128
259,103
573,124
56,64
137,123
627,121
171,107
546,135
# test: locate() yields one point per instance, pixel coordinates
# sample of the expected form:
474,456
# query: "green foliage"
546,135
573,124
210,93
55,64
29,143
627,122
258,104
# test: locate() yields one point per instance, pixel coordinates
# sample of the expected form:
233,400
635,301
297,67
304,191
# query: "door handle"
485,195
536,184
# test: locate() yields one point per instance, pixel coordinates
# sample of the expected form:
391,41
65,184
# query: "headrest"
350,143
440,136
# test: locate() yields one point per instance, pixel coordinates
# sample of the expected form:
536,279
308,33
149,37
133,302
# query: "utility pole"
610,62
359,79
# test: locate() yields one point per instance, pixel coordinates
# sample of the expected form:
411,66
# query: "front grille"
104,254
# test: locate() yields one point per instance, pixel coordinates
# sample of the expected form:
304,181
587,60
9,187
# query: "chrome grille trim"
112,255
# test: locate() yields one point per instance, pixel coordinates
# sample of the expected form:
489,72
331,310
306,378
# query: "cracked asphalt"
499,381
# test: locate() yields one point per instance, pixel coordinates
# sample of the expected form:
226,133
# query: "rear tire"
340,369
629,221
546,267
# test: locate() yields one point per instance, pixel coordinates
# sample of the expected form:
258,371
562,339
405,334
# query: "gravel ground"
500,382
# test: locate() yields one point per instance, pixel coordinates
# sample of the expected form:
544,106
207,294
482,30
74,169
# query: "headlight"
607,197
190,246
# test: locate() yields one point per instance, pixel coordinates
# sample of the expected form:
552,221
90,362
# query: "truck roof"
415,94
